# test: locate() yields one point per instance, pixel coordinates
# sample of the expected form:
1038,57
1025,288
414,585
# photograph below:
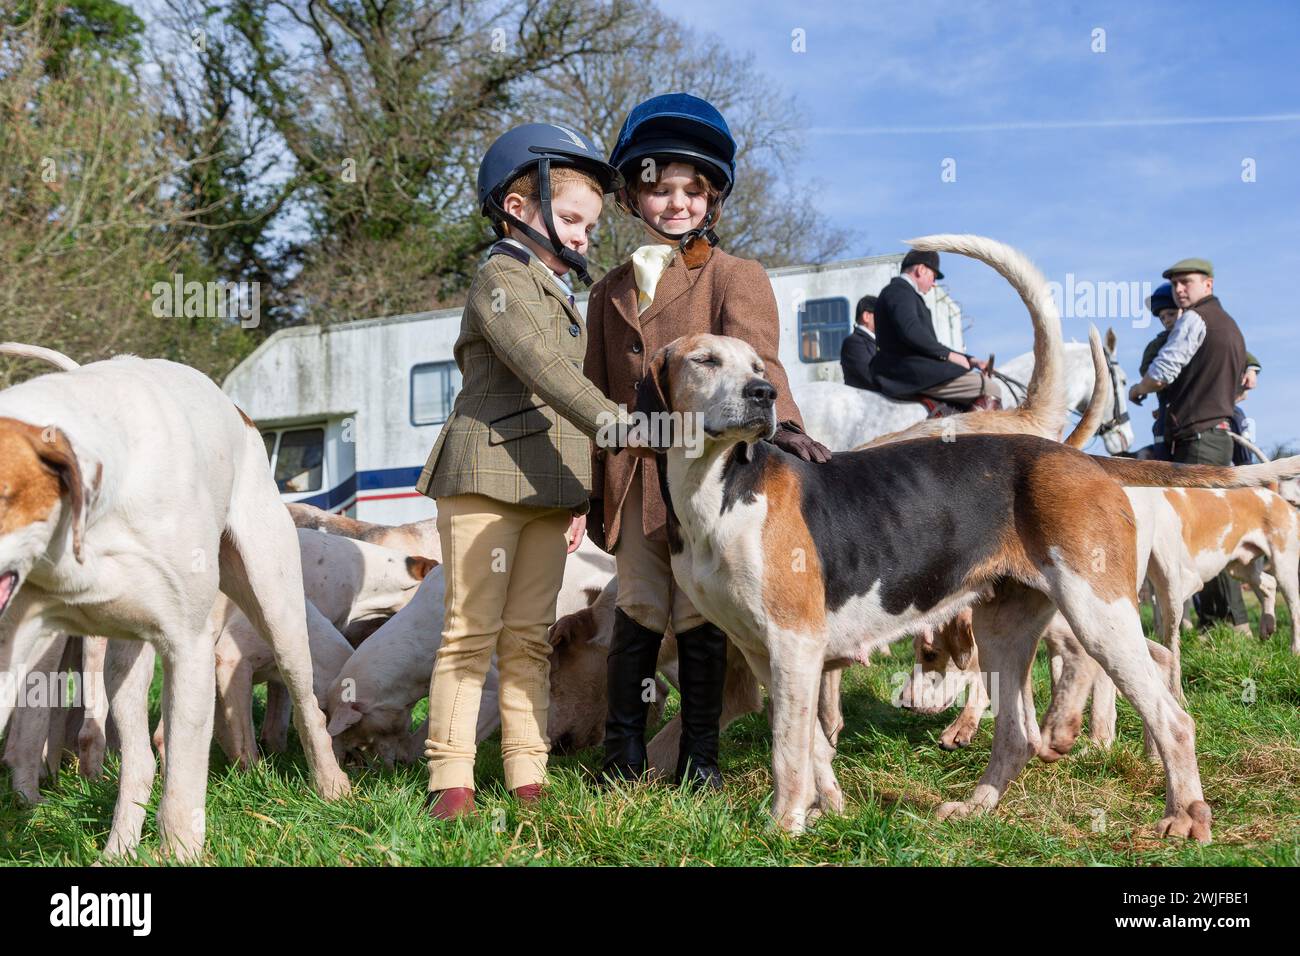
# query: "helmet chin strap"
576,263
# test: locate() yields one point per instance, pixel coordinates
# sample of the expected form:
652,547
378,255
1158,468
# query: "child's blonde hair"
529,184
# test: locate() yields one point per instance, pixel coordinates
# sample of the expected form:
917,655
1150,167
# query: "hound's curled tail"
41,354
1044,409
1086,430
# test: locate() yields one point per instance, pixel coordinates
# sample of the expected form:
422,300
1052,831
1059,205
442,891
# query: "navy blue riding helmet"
542,145
678,126
1162,298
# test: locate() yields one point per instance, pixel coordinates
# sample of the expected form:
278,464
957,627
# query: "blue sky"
1110,166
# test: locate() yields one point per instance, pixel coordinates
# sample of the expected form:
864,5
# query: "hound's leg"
830,798
261,571
795,667
1101,729
1285,566
93,736
963,730
1172,586
1265,586
29,730
189,684
233,721
1017,620
1112,633
829,714
1070,689
128,672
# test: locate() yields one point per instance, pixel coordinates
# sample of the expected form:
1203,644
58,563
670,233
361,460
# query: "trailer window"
823,325
269,438
433,390
299,466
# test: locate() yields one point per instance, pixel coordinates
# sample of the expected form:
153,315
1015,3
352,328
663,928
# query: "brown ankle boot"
450,804
529,793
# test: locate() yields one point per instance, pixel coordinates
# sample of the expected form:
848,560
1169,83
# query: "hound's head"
43,500
943,666
710,383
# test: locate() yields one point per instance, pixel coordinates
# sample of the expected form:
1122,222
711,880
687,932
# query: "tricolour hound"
807,565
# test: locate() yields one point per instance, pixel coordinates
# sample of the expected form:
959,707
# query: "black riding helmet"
540,145
685,128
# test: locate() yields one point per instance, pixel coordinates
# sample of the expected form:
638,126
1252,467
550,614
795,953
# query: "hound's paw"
955,810
1267,626
1102,735
333,786
957,734
829,802
794,822
1058,737
1192,823
28,796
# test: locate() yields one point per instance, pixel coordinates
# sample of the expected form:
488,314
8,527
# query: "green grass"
893,773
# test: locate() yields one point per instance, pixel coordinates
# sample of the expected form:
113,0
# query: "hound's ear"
344,716
56,453
419,567
653,391
959,635
1111,341
573,629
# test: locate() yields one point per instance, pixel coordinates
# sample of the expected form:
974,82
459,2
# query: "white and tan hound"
131,492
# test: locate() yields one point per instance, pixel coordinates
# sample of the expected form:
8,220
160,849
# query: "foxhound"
802,576
810,565
131,491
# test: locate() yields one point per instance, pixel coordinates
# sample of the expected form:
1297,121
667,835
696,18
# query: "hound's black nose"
760,392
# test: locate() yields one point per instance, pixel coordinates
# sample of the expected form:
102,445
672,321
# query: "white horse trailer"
350,411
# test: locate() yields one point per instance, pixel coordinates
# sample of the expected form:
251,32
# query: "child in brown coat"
677,157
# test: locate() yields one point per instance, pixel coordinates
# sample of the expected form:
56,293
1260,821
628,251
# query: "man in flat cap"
911,361
1199,371
859,348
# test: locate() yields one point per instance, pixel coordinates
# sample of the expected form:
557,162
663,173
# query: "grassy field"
1094,807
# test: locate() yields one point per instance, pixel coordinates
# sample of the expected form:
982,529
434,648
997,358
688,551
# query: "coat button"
575,331
636,348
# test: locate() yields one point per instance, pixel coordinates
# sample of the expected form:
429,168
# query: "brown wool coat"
721,294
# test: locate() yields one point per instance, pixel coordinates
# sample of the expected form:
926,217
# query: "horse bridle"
1119,403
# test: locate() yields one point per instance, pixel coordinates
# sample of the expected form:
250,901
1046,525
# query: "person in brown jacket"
677,156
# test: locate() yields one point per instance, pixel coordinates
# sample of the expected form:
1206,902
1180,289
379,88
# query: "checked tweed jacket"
522,424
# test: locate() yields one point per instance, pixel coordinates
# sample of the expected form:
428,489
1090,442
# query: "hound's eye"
929,656
706,360
758,369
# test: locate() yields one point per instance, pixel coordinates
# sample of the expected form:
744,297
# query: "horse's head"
1116,431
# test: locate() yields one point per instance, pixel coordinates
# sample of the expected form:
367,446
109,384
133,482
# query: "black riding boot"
633,654
702,670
